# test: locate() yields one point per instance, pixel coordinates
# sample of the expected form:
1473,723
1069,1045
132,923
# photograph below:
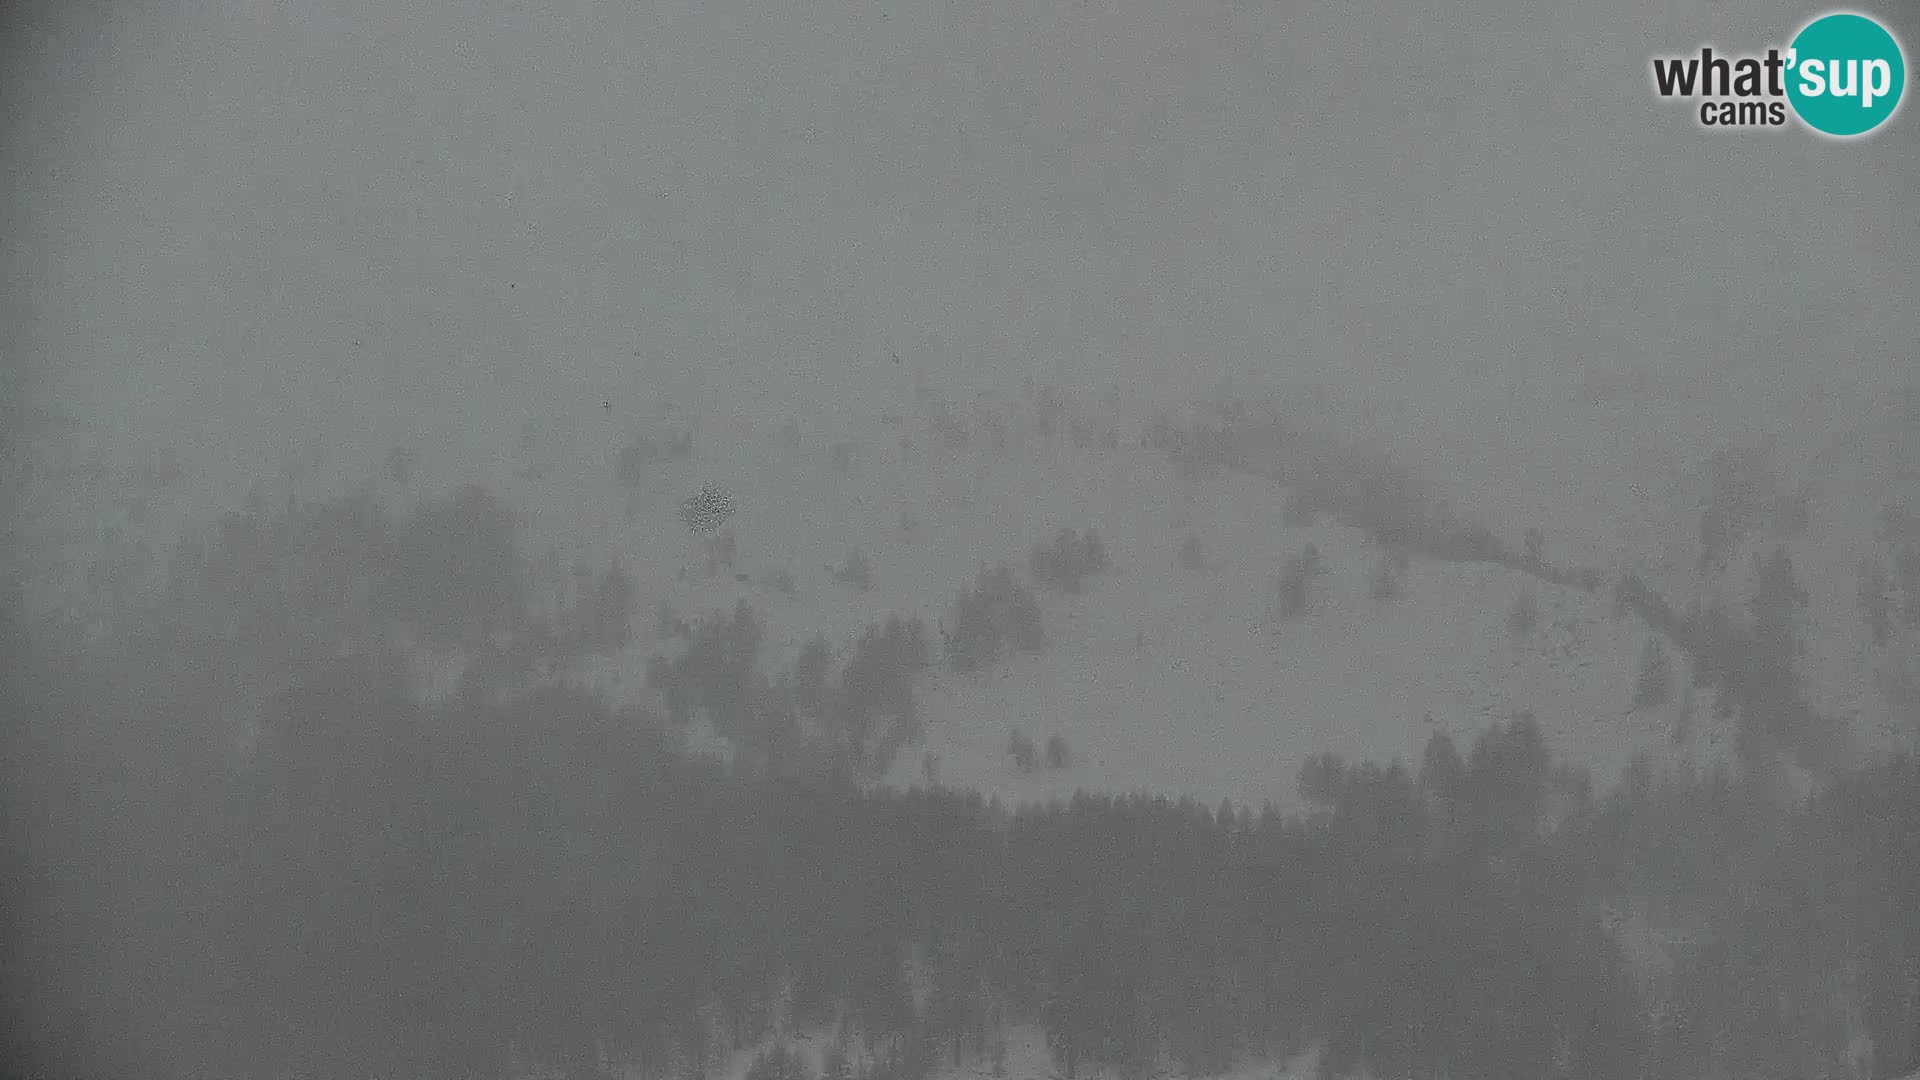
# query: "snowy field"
1172,679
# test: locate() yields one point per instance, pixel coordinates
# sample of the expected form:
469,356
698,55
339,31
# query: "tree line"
378,883
391,886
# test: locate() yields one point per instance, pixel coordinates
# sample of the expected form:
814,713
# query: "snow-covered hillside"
1172,674
1162,676
1021,1055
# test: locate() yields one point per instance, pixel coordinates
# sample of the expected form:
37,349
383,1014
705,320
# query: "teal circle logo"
1847,74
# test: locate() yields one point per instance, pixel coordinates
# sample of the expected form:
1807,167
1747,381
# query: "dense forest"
249,844
399,888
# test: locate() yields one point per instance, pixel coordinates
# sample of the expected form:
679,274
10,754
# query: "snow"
1179,681
1026,1058
1162,678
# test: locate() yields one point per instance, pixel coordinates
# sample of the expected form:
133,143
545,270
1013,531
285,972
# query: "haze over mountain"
1083,401
376,220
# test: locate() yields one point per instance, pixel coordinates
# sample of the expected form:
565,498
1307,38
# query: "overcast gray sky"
233,223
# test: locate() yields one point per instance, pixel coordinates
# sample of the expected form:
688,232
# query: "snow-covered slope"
1023,1056
1176,679
1159,677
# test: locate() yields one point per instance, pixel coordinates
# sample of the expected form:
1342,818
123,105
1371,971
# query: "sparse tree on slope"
1069,559
996,614
854,572
1525,614
1653,686
1383,583
1056,752
1292,591
1022,750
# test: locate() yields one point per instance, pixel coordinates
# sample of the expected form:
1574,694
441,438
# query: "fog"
350,219
843,455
